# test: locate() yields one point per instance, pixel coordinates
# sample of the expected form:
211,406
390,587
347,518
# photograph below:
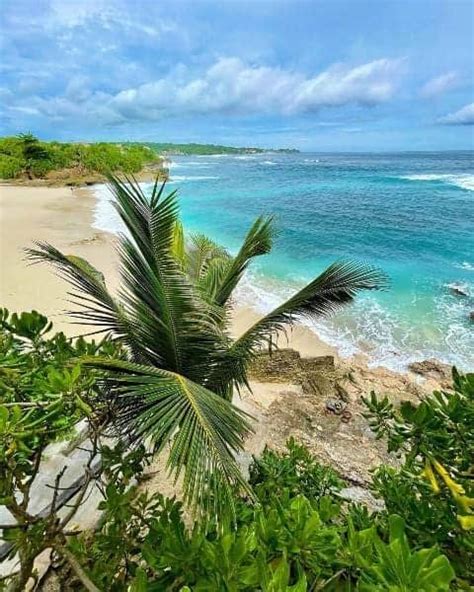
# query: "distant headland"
170,149
24,159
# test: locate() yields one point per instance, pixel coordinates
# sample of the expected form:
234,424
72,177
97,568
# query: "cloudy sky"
313,74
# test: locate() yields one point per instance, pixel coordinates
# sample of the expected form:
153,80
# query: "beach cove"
279,398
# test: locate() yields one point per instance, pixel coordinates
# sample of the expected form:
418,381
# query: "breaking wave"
462,181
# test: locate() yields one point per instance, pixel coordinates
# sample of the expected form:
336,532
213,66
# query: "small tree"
434,487
45,392
33,152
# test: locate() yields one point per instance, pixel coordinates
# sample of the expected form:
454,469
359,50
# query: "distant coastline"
26,160
170,149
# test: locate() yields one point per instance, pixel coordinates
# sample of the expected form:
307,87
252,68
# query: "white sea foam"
192,163
269,162
370,328
179,178
463,181
465,265
106,217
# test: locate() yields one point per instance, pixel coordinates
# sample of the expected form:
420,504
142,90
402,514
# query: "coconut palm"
172,313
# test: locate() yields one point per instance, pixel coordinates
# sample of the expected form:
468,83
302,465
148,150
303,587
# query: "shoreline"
64,216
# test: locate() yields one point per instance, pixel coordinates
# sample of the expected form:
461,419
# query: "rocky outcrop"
434,371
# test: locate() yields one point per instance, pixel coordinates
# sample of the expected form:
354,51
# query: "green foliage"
288,542
28,155
205,149
45,392
296,472
10,166
434,488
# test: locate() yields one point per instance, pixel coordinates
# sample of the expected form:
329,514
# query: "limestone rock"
432,369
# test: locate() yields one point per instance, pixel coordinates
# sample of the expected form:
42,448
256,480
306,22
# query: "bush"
10,166
45,392
434,488
287,542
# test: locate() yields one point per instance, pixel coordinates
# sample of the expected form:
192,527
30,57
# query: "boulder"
432,369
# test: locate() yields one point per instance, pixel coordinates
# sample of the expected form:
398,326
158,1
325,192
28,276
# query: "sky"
317,75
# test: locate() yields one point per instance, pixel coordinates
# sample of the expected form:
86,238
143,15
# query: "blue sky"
313,74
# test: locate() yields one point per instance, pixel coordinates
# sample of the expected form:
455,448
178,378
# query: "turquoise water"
411,214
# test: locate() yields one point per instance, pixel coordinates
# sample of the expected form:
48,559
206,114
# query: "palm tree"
172,312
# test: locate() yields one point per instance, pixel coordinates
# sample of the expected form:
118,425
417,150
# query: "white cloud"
464,116
439,85
231,86
227,86
106,14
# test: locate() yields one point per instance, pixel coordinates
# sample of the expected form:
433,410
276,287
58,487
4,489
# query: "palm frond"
204,430
200,253
150,220
178,249
97,306
336,287
259,241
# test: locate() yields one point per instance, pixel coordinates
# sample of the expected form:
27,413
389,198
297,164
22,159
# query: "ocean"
412,214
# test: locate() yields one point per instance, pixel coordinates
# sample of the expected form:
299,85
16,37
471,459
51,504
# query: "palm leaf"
170,320
336,287
258,242
98,308
205,431
201,252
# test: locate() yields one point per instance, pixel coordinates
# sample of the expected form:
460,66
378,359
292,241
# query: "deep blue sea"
412,214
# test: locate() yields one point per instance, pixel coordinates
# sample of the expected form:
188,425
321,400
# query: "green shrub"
45,391
10,166
287,542
296,472
434,488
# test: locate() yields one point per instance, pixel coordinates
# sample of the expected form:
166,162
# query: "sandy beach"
62,217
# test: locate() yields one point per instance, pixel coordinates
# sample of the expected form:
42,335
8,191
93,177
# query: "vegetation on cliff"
296,532
208,149
26,157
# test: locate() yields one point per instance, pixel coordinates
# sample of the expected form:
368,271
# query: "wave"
178,178
190,163
269,162
106,217
385,335
465,265
463,181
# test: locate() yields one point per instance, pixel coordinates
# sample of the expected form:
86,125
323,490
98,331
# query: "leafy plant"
45,392
172,315
28,156
294,471
288,542
433,489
